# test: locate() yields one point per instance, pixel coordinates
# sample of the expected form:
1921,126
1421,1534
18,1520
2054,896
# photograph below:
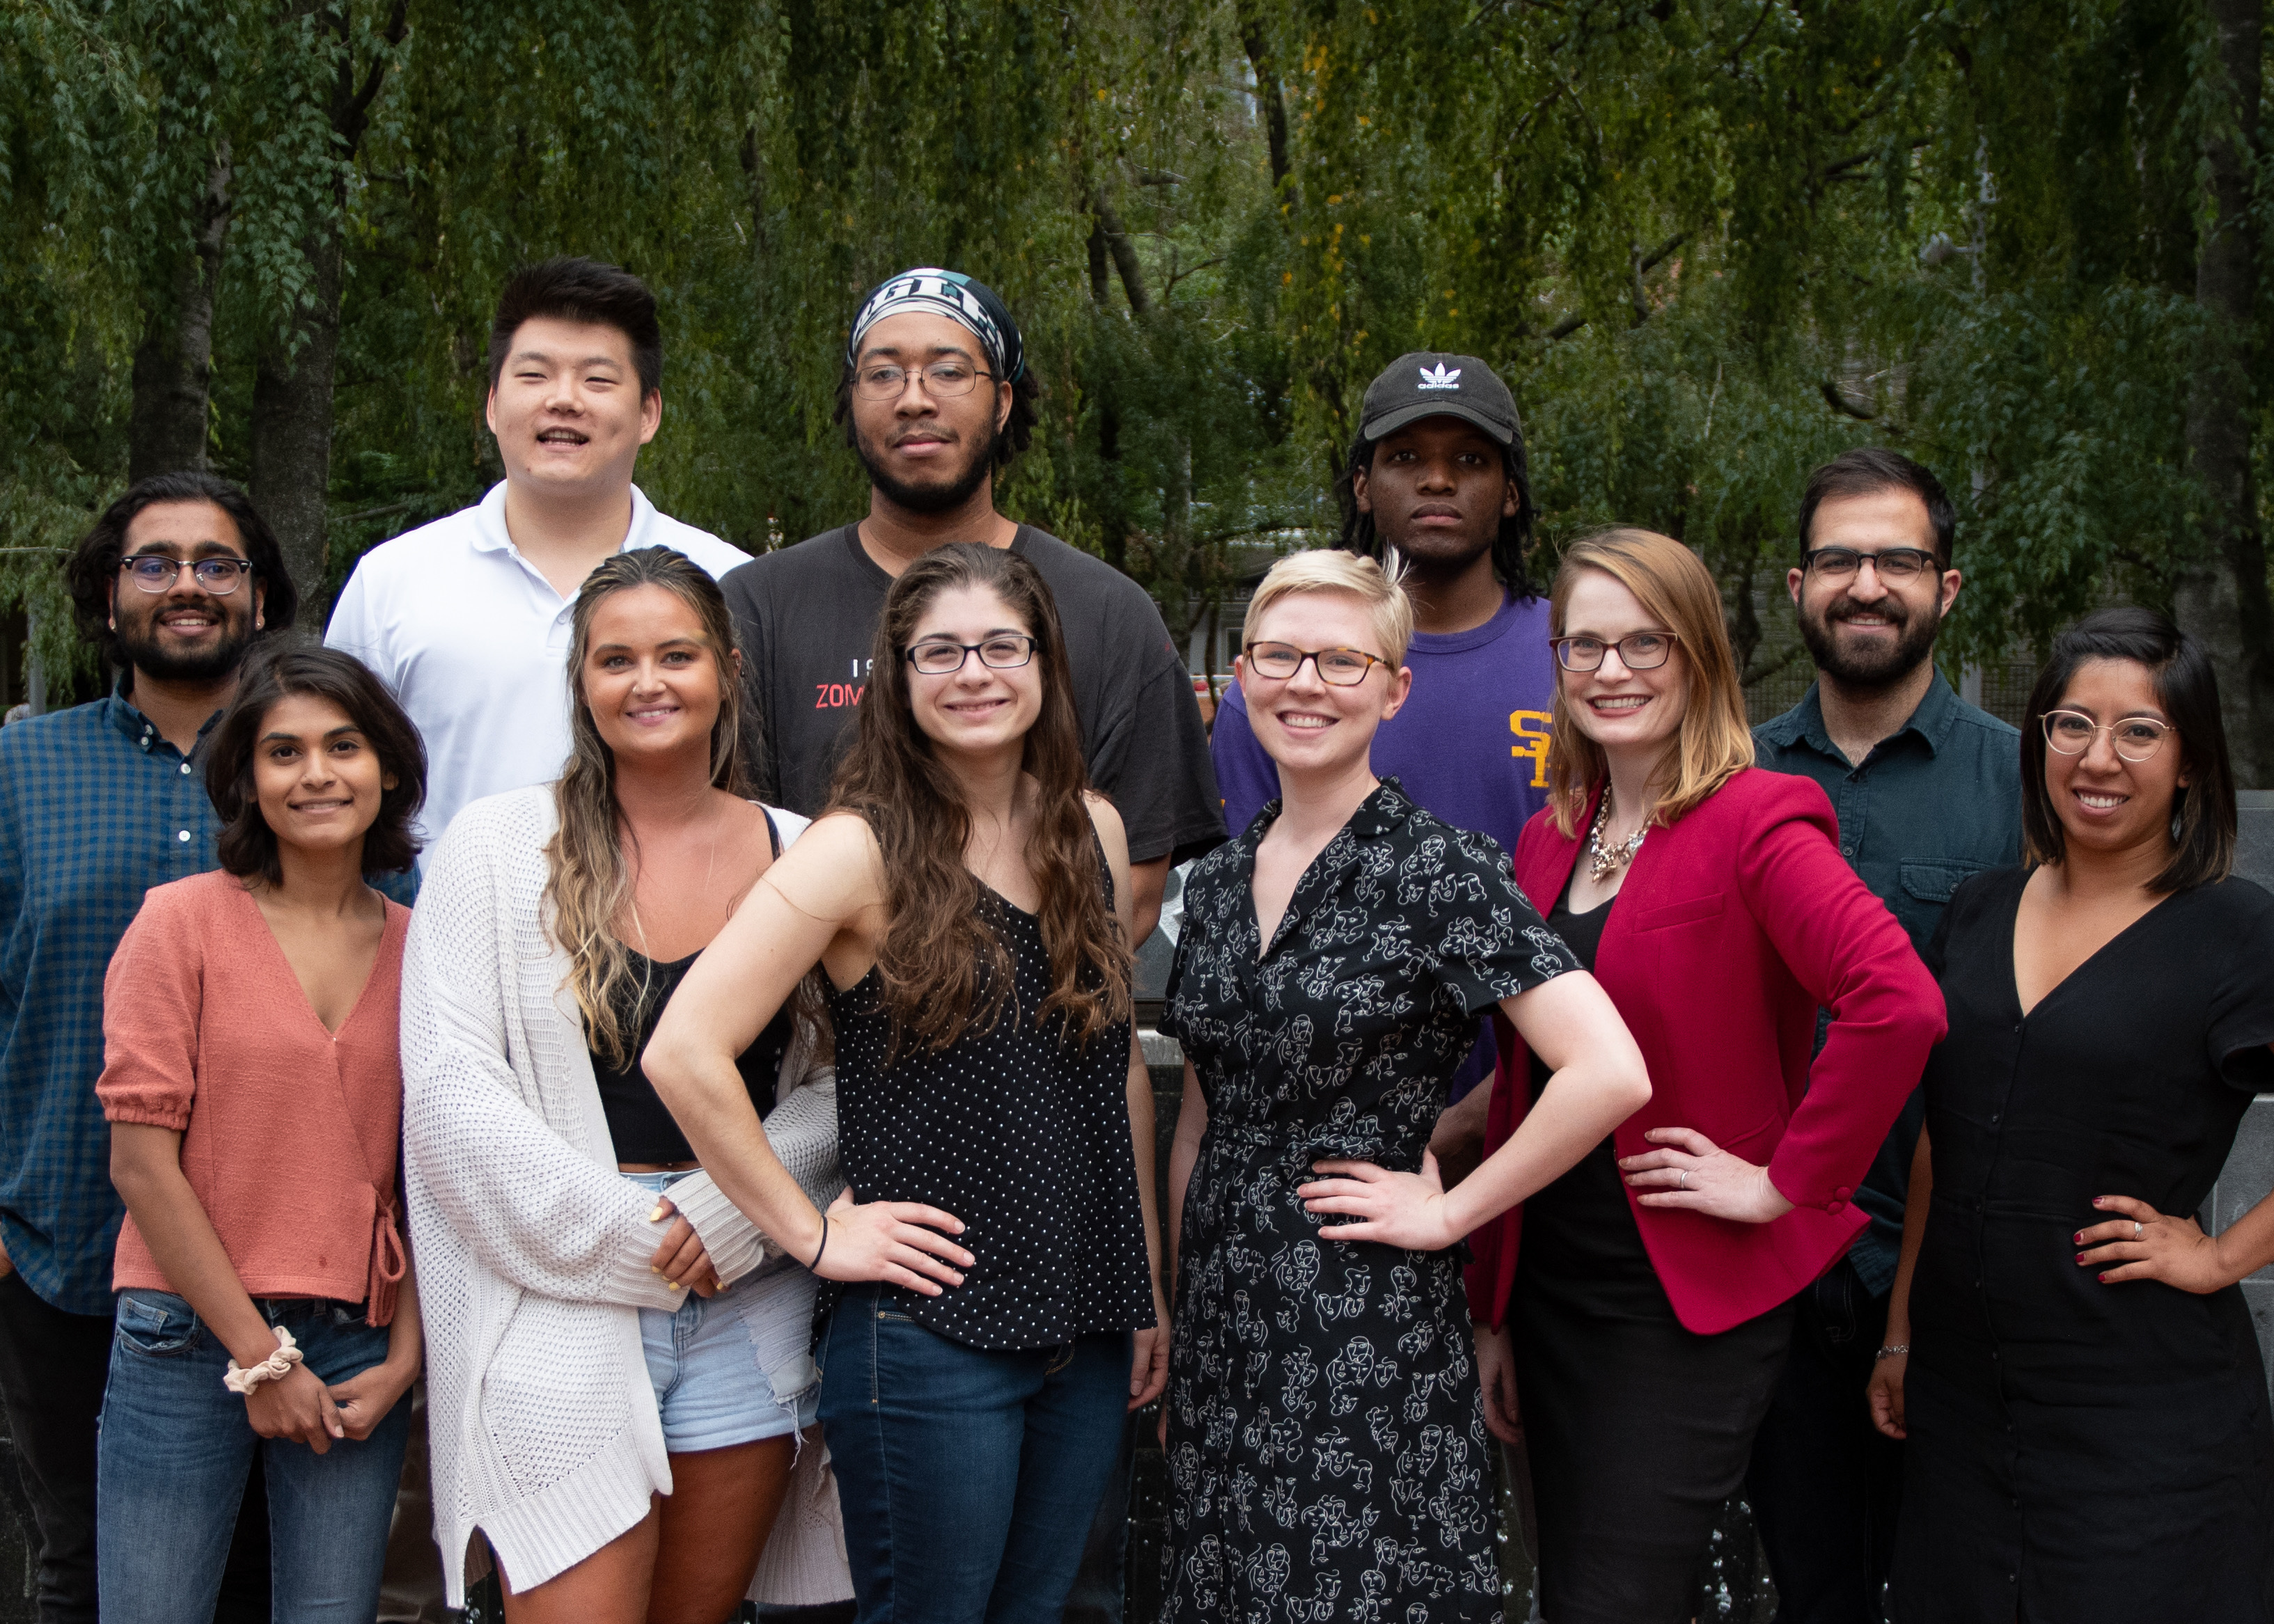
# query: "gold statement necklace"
1602,860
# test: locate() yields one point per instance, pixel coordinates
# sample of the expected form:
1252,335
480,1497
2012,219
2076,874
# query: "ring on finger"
2138,1229
1683,1182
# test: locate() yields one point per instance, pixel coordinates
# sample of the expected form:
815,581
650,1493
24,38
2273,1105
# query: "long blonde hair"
1714,744
590,885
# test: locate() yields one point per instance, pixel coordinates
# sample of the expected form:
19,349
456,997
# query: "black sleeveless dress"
1020,1133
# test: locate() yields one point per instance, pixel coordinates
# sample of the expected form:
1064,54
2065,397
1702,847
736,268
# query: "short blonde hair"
1331,569
1714,744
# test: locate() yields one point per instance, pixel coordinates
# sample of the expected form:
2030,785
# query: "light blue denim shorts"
734,1368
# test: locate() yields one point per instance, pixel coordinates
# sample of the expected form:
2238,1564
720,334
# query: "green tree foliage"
1709,242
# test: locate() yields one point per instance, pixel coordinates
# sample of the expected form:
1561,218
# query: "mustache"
1888,610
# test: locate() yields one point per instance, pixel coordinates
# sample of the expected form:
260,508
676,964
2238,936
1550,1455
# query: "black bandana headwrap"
972,305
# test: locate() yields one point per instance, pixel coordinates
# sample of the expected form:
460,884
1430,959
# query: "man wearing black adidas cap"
1438,473
935,396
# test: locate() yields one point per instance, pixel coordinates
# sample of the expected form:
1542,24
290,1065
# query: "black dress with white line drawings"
1327,1449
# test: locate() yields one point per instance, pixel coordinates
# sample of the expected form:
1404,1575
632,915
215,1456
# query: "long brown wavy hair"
943,967
590,885
1712,744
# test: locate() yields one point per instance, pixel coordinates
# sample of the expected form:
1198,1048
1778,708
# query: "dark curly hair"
246,845
91,570
1509,544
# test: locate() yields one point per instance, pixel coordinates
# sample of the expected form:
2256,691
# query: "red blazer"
1734,925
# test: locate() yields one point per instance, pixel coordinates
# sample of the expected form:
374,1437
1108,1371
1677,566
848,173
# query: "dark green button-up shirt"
1938,800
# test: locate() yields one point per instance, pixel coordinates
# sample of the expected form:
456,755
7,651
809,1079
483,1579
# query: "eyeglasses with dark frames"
1336,667
2134,739
1842,563
937,657
1637,650
884,380
156,571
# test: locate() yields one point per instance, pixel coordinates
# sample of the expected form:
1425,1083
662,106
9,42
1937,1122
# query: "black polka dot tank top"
1020,1133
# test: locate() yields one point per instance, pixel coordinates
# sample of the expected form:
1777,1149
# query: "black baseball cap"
1426,384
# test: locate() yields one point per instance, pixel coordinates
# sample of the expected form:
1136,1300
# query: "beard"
1877,667
139,646
928,498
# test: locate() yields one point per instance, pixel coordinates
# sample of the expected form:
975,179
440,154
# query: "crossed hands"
300,1407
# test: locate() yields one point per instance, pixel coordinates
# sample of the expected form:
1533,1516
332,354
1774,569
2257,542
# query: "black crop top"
642,1127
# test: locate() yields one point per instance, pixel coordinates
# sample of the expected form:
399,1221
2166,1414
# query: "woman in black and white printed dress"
1326,1441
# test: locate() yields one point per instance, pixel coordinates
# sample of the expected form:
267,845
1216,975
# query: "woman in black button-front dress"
2085,1402
1326,1441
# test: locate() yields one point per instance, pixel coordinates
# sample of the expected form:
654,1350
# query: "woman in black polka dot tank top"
966,903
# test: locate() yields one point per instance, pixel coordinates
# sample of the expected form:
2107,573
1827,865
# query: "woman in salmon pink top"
251,1079
1636,1311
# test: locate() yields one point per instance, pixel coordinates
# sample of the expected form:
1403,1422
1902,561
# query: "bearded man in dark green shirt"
1927,790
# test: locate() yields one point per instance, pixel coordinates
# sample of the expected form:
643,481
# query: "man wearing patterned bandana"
935,396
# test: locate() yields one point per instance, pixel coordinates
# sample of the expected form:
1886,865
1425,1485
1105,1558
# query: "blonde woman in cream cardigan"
624,1450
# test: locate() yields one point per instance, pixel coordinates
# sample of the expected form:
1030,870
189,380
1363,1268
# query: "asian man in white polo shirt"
467,619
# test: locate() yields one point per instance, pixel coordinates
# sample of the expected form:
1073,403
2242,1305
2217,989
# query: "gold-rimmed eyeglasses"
2134,738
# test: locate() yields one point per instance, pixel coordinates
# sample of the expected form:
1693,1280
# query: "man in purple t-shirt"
1438,473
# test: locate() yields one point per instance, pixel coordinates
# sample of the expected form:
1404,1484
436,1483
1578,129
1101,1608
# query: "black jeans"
52,1369
1825,1485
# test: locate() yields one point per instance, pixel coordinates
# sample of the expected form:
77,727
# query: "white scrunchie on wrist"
275,1368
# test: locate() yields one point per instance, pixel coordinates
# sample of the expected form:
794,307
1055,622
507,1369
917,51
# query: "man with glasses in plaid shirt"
175,582
1927,790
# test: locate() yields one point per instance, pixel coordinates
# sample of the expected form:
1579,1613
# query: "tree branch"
1123,251
1841,404
397,23
1746,43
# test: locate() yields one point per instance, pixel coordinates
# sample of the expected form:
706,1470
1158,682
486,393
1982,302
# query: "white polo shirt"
474,642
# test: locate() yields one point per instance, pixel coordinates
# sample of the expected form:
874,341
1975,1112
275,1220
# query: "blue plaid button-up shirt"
95,808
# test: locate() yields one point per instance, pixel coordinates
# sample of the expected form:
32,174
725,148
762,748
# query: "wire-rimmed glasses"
2134,738
886,380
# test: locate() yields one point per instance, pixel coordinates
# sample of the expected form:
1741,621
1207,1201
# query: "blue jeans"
968,1476
175,1449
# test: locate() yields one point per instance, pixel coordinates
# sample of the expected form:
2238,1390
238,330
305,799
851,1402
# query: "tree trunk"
173,367
1256,40
293,373
292,425
1101,287
2223,598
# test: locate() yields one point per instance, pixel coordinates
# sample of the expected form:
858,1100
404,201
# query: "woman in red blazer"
1638,1307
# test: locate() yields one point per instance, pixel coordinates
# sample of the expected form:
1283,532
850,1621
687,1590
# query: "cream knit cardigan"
532,1250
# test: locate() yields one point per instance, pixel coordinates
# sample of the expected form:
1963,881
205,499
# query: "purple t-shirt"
1470,744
